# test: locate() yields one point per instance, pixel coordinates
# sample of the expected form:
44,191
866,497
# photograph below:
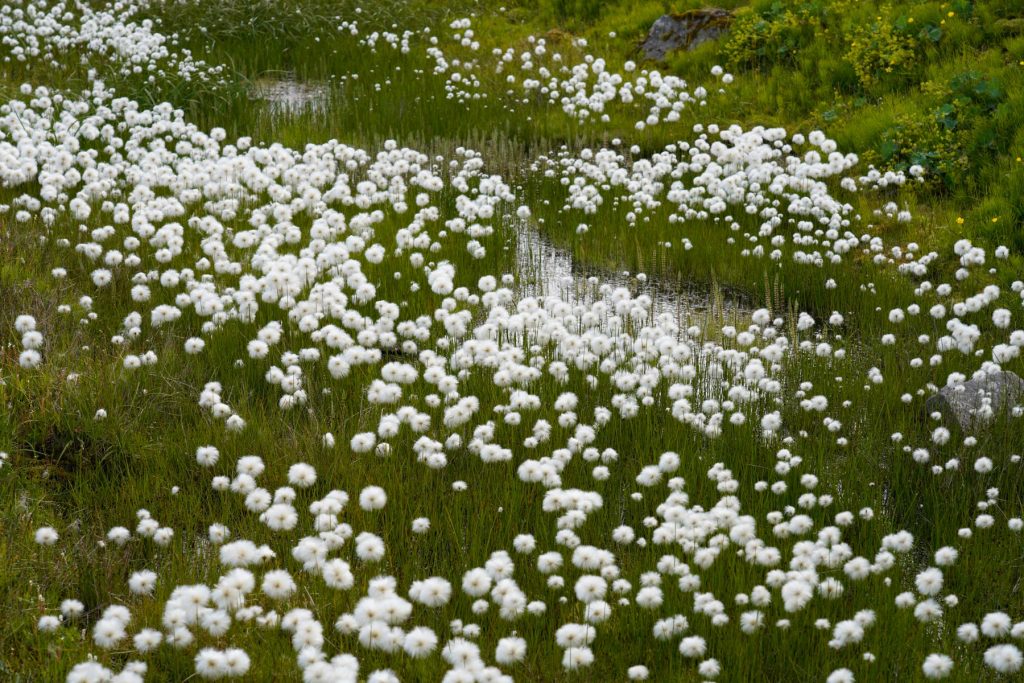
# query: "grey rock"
974,402
684,31
1010,27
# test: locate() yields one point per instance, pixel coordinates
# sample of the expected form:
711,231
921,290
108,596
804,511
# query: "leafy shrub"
956,135
915,140
773,34
881,47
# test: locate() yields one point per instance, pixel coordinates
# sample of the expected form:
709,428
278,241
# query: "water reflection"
284,94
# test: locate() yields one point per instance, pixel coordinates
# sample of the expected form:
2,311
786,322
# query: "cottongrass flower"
372,498
996,625
194,345
369,547
968,633
147,640
638,672
929,582
946,556
278,584
24,324
46,535
338,574
575,635
30,358
301,475
937,666
48,623
432,592
215,622
32,340
928,611
236,662
692,647
461,653
524,543
840,676
577,658
72,609
363,443
476,582
709,668
510,650
211,664
280,517
108,632
142,582
207,456
1005,659
419,642
89,672
180,638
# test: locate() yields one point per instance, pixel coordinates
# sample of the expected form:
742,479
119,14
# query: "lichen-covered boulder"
684,31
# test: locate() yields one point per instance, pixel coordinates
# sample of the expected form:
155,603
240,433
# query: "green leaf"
888,150
946,116
931,32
